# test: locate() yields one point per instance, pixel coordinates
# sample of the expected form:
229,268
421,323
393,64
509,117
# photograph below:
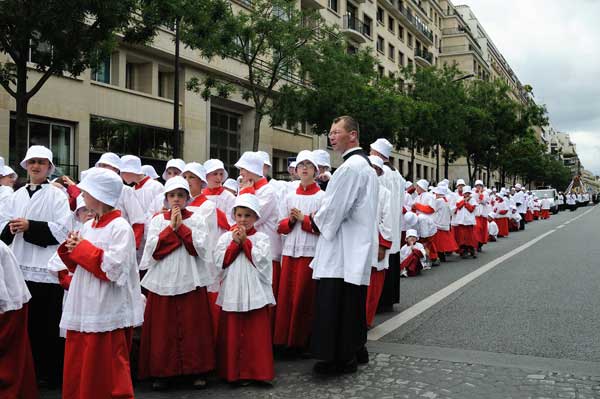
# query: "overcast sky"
553,45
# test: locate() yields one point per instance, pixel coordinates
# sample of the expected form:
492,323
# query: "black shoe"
362,356
348,367
160,384
325,368
435,263
442,256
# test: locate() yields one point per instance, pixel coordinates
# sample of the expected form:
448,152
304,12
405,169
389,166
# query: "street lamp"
467,76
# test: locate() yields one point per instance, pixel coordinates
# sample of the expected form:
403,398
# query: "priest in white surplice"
345,252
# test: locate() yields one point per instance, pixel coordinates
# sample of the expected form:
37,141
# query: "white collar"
350,150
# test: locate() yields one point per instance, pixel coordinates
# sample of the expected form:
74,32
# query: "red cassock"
529,216
502,227
17,373
444,241
481,229
177,335
412,263
545,214
244,346
465,236
429,244
374,293
295,303
536,215
97,365
215,312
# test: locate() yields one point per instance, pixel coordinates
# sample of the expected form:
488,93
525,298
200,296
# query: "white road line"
395,322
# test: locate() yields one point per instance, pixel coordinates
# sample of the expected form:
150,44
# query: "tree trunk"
22,119
257,121
487,183
412,161
176,136
446,164
437,164
469,169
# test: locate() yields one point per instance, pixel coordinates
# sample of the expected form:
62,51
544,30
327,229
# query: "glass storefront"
225,138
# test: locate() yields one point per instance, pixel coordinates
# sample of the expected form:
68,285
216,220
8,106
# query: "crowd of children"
214,272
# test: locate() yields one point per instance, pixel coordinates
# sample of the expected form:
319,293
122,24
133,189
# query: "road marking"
404,317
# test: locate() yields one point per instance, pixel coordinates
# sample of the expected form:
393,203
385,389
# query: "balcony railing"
416,22
424,54
357,25
459,49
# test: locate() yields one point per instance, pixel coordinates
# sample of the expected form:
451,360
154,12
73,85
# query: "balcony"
420,28
466,48
355,29
311,4
423,56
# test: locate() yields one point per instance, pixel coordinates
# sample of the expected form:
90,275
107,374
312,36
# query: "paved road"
528,328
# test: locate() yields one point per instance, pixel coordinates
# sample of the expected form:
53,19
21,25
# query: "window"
425,170
400,32
166,84
391,24
391,52
225,138
400,58
130,76
368,24
410,40
418,171
410,64
380,15
380,44
101,73
57,136
392,75
401,166
380,71
333,5
154,145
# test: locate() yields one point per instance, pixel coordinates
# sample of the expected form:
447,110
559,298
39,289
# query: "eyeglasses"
304,165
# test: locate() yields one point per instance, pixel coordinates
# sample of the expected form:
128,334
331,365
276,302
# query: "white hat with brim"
111,159
102,184
322,157
467,190
150,171
232,185
408,185
252,162
460,181
383,146
293,164
174,183
441,190
196,169
8,171
215,164
478,183
518,186
38,151
411,218
306,155
376,161
247,201
176,163
131,164
424,184
265,157
412,233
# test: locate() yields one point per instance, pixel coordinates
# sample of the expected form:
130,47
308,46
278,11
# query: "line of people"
217,272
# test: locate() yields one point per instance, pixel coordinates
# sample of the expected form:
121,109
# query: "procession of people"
206,275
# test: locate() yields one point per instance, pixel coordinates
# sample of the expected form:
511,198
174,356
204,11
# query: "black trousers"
522,222
390,294
340,322
47,347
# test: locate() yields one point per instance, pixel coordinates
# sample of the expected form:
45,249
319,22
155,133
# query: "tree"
60,37
270,39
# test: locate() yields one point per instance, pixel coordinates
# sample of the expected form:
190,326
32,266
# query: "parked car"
552,194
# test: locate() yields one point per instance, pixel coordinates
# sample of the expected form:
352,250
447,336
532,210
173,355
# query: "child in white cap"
7,181
216,175
177,336
244,344
232,186
146,189
34,221
295,299
105,301
492,227
174,168
412,254
16,363
463,223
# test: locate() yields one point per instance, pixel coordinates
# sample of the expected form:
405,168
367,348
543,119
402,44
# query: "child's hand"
235,235
292,217
19,225
242,234
73,240
297,214
175,218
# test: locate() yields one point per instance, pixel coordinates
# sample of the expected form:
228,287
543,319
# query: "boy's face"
172,172
194,181
129,177
38,169
7,181
245,217
84,214
92,203
305,170
215,178
177,198
411,240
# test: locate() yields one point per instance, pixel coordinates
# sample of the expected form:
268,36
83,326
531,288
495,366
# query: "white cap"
424,184
197,169
111,159
232,184
446,182
478,183
412,233
376,161
176,163
322,157
8,171
408,184
460,181
174,183
38,151
247,201
383,146
265,157
411,218
215,164
150,171
518,186
467,189
306,155
131,164
80,203
441,189
102,184
252,162
293,164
